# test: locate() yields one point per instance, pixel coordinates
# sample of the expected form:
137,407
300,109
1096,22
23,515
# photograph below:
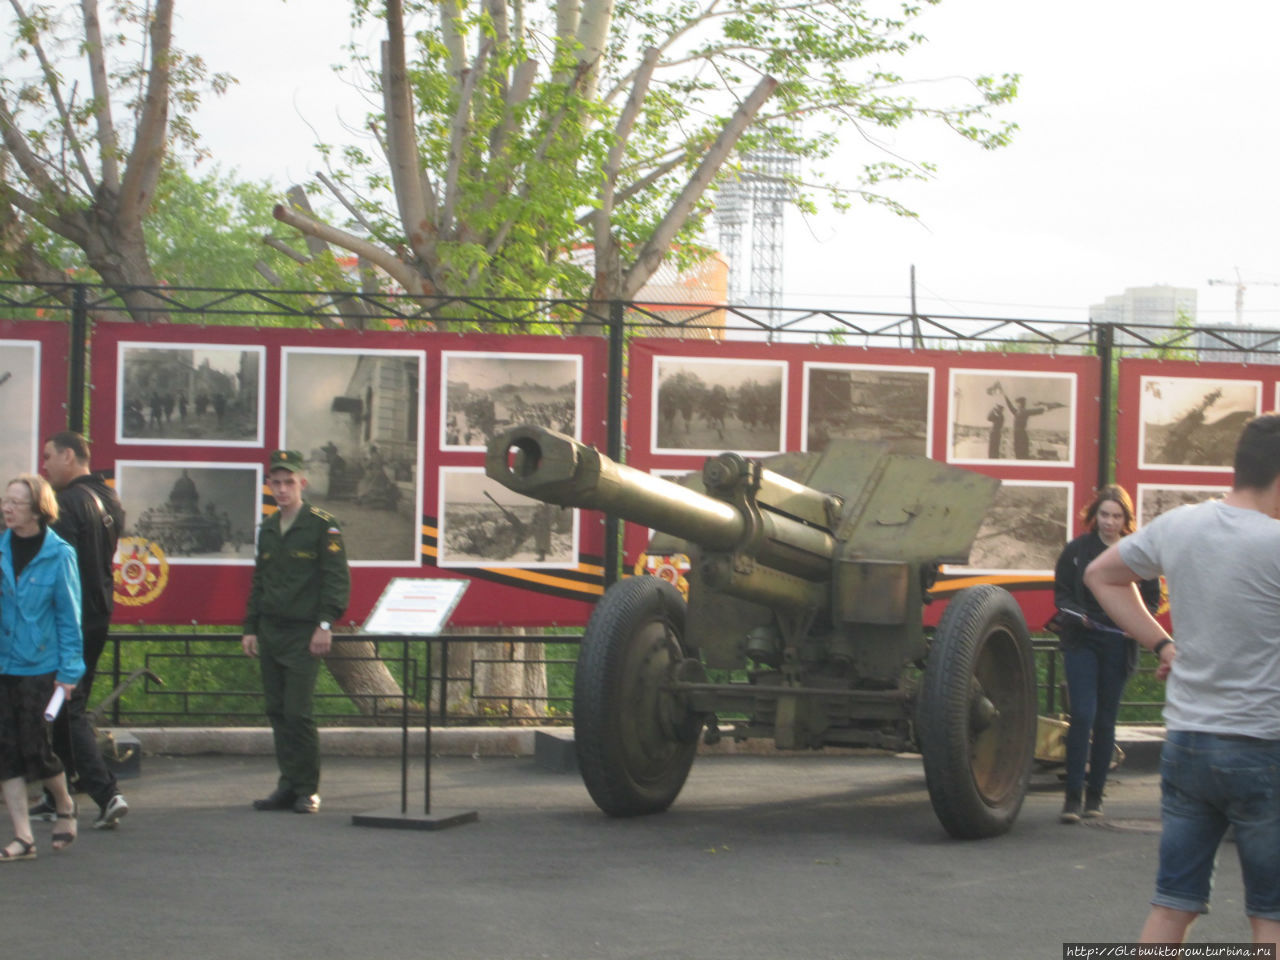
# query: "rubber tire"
629,762
978,780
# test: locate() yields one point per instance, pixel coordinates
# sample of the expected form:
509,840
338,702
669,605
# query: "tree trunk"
364,677
492,679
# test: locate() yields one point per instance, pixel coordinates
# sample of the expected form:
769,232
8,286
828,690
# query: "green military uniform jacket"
299,575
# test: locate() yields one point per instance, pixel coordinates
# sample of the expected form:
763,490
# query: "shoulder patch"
324,515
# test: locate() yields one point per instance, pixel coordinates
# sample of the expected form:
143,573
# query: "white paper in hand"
55,703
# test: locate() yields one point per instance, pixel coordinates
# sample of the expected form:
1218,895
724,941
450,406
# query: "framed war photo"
356,418
486,393
1155,499
195,512
999,416
483,524
1188,423
1025,528
20,441
712,404
190,394
889,405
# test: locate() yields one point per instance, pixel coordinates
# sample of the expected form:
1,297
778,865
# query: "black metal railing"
206,680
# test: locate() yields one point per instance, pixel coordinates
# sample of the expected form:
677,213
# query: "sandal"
65,839
28,851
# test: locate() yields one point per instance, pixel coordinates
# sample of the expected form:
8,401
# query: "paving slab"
760,857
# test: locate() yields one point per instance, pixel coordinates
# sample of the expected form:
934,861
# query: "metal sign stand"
415,609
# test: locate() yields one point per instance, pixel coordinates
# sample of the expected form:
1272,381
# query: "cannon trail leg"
635,744
976,718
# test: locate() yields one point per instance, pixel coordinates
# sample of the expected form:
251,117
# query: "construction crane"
1239,284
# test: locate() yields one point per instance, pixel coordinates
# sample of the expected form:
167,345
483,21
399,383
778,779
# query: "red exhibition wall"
393,428
34,365
945,405
1178,425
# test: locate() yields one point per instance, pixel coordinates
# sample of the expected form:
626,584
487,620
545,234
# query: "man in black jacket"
90,519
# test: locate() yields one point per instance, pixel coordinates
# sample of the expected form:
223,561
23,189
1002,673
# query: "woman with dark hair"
41,651
1098,658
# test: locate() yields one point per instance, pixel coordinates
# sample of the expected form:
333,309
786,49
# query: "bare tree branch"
458,129
593,36
604,241
108,146
655,248
146,159
402,140
397,269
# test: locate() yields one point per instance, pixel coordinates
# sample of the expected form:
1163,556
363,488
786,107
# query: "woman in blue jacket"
40,651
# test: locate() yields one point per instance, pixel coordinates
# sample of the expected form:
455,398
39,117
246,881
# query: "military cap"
290,460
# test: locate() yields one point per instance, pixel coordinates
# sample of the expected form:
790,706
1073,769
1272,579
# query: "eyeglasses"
10,502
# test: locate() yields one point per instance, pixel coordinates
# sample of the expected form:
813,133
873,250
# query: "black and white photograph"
710,405
20,442
1155,499
1025,528
483,524
356,418
888,405
998,416
195,512
190,394
1189,423
487,393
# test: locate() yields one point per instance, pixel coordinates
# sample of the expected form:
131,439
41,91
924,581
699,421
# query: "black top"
90,518
1069,591
24,550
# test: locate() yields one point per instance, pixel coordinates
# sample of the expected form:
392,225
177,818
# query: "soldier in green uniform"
301,584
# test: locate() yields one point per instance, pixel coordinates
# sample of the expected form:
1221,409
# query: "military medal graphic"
140,571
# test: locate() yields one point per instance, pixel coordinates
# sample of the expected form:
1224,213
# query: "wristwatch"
326,625
1160,646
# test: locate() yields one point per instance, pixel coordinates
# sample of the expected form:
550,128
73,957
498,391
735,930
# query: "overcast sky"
1146,153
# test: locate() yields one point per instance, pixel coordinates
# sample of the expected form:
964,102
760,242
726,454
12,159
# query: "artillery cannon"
809,576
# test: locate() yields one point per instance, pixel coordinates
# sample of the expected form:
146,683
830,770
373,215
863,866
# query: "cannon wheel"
976,718
633,751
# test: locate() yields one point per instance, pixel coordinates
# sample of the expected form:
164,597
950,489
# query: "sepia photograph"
195,512
888,405
356,418
1025,528
487,393
1188,423
482,523
1155,499
190,394
710,405
20,442
998,416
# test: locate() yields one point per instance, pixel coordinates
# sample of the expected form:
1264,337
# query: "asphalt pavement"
760,857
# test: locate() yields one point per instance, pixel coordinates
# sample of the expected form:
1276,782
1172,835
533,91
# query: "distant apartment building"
1238,345
1160,305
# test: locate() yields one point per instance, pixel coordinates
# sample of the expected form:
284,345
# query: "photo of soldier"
484,523
888,405
1154,500
155,381
1025,528
195,512
19,397
710,405
1193,423
1002,416
356,418
486,393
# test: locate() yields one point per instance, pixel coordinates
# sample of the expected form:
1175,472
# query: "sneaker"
1092,805
112,813
307,804
1070,811
44,809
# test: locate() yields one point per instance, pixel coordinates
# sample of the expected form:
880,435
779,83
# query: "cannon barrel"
549,466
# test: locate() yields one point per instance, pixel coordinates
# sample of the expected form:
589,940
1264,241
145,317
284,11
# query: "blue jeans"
1207,782
1097,668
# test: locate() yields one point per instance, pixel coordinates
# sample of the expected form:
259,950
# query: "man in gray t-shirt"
1221,760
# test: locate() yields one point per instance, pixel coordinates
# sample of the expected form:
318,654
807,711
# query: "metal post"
613,439
405,693
79,353
1106,363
